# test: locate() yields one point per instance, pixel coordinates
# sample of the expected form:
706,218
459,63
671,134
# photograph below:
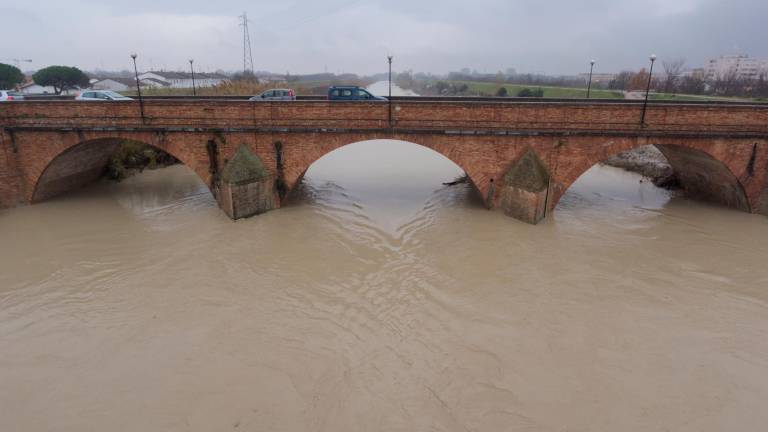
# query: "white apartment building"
743,66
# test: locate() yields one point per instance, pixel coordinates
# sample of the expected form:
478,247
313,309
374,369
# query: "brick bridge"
521,156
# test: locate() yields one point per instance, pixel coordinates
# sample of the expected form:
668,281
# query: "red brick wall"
483,156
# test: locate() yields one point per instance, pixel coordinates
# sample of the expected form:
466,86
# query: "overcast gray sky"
302,36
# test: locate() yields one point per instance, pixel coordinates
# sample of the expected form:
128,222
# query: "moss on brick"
244,167
528,173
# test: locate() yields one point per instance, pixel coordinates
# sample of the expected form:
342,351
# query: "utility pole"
389,60
247,53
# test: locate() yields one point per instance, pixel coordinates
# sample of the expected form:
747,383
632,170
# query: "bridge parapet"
447,117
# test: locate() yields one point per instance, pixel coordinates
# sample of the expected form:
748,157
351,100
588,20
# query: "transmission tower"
247,54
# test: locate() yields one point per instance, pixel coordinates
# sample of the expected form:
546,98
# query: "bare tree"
672,68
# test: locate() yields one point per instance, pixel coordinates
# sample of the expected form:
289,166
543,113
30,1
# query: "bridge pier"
525,188
246,188
12,190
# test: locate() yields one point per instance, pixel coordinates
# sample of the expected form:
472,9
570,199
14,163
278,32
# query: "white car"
102,95
10,95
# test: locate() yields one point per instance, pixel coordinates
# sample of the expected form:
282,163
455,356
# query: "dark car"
351,93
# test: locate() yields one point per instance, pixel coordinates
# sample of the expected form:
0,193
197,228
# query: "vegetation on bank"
135,156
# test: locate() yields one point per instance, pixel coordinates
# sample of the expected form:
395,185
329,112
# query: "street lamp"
389,60
589,85
194,91
647,90
138,87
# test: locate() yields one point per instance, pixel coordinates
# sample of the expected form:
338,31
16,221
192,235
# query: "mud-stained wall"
75,167
705,178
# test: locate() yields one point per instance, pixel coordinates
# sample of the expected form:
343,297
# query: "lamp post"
589,84
389,60
647,90
192,69
138,87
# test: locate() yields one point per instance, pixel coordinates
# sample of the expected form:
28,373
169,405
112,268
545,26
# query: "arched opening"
90,160
388,181
649,176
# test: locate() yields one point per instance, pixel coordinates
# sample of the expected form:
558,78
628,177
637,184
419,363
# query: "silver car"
275,94
10,95
102,95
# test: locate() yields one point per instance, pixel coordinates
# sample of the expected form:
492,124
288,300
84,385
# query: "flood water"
380,300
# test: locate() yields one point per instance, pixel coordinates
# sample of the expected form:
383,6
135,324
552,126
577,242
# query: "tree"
621,81
672,69
10,76
692,85
502,92
61,78
639,81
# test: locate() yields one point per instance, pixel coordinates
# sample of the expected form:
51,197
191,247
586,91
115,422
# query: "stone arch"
85,160
301,152
707,169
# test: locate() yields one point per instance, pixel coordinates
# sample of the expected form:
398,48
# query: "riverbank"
134,157
649,162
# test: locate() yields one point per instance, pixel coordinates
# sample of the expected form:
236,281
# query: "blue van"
351,93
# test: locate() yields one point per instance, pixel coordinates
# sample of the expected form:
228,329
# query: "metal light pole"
589,85
389,59
191,68
647,90
138,87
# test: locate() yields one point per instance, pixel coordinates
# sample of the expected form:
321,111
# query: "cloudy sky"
303,36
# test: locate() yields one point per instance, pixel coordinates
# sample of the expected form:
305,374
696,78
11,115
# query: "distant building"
697,73
598,78
31,88
114,84
737,65
273,79
183,79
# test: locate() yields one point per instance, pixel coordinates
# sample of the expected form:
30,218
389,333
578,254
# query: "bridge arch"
79,162
310,150
706,170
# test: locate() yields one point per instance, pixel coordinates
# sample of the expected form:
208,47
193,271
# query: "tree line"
675,81
61,78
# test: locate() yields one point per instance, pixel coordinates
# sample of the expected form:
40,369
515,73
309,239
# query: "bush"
502,92
134,155
531,93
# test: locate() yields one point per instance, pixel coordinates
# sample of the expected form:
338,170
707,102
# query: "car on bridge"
275,95
10,95
101,95
351,93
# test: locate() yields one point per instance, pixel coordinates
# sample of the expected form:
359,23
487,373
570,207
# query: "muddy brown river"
381,300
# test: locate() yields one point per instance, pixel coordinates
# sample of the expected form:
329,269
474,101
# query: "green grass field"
685,97
476,87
